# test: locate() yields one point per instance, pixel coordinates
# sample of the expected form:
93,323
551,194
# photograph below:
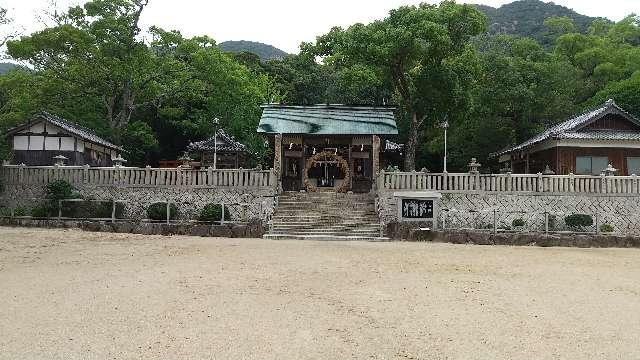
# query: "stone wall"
478,210
245,203
525,239
254,229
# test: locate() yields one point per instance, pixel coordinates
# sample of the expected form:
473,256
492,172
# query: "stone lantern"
548,171
118,161
610,170
185,160
474,166
60,160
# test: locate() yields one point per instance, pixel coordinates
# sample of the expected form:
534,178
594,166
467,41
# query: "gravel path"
66,294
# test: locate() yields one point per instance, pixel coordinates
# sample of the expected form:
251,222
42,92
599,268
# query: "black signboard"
417,209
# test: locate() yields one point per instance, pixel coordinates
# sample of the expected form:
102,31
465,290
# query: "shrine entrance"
337,163
326,147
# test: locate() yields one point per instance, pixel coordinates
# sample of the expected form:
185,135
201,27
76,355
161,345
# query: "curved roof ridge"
575,122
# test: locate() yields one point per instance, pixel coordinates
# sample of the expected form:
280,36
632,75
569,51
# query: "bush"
59,190
5,211
606,228
553,222
91,209
158,211
213,212
43,210
518,223
20,211
578,221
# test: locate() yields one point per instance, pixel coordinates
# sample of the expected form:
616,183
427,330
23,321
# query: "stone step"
325,216
325,223
321,230
323,237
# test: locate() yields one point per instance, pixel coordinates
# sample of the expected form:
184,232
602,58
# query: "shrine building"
327,147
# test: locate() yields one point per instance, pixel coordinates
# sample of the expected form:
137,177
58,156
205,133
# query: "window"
633,165
591,165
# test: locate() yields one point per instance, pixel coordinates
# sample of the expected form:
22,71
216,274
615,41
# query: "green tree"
95,50
521,90
558,25
414,48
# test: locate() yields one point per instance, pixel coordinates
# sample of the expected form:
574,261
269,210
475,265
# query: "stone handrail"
467,182
143,177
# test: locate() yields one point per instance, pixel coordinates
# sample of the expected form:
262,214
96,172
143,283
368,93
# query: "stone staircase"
325,216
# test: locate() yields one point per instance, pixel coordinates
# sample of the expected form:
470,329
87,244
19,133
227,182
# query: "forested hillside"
6,67
526,18
494,89
264,51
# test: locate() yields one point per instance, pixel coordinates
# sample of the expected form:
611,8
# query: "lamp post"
445,126
216,122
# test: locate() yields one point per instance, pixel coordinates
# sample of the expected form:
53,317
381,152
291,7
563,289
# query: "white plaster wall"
36,143
67,144
21,143
52,143
37,128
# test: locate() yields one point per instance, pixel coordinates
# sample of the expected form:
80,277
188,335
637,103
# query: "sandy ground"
66,294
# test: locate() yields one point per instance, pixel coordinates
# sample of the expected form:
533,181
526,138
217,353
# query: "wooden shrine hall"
327,147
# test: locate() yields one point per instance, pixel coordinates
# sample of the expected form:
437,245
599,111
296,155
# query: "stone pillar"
375,160
277,160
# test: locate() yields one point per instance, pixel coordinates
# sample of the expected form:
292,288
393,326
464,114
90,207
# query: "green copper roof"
327,120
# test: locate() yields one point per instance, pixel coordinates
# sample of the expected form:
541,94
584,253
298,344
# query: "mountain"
6,67
264,51
526,18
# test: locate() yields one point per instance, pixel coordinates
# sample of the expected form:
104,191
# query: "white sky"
282,23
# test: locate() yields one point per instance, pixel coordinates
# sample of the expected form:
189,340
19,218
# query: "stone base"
250,230
410,232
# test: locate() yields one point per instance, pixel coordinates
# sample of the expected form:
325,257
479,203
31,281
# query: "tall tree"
96,51
412,48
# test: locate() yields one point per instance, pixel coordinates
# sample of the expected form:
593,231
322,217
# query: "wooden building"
331,147
46,136
582,145
230,153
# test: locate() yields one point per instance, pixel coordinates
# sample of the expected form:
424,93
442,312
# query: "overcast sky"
282,23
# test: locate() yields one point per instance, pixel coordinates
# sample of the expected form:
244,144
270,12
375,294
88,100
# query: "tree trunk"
412,143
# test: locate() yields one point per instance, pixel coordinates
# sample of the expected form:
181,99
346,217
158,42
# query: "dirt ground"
67,294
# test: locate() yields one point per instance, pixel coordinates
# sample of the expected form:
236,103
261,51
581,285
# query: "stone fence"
509,183
474,200
127,176
252,191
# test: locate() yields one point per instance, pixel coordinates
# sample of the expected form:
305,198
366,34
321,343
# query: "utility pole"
445,126
216,122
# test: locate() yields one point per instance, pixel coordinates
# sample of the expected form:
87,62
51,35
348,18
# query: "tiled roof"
600,135
328,120
568,129
70,127
224,142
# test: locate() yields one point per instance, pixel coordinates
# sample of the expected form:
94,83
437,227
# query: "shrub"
5,211
213,212
606,228
43,210
553,222
91,209
578,221
158,211
103,209
59,190
20,211
518,223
